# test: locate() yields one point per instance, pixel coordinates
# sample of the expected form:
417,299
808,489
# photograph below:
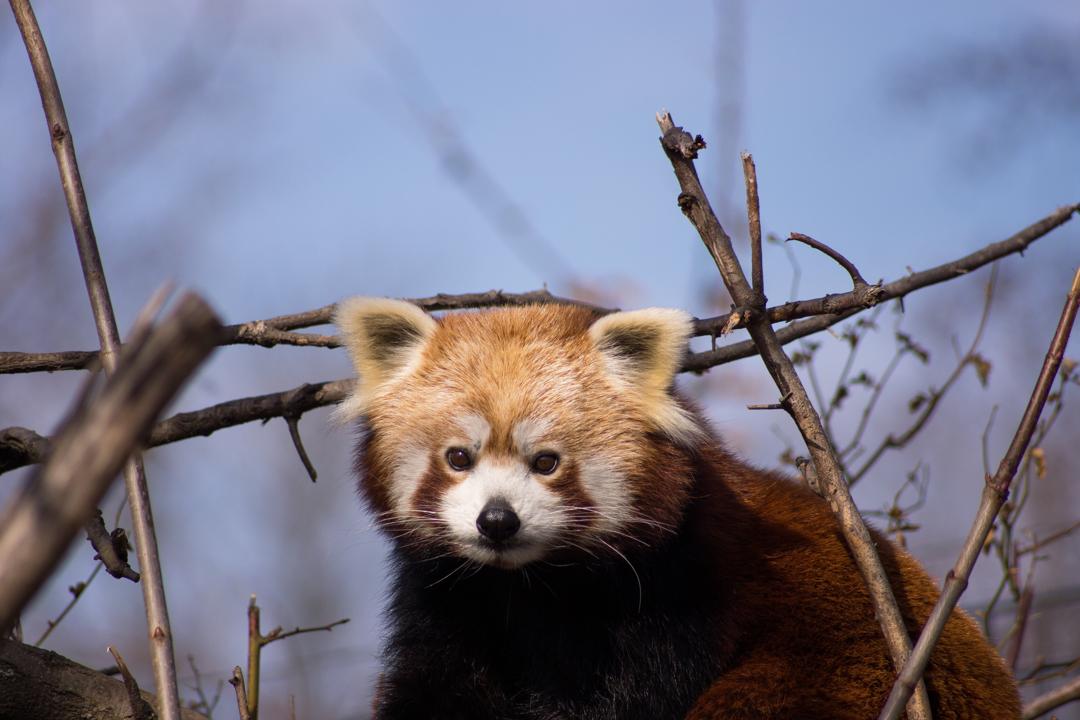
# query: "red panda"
570,539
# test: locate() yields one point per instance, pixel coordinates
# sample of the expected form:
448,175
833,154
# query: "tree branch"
63,145
825,311
1067,693
37,684
681,149
39,523
994,494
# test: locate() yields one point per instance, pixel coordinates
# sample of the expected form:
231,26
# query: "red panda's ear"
642,351
385,338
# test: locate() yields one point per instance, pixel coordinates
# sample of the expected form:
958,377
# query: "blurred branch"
1067,693
237,681
41,519
994,494
681,149
37,684
927,404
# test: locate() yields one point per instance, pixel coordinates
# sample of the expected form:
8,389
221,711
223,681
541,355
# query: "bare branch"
1067,693
856,277
63,146
76,591
237,681
753,217
256,642
293,421
695,206
277,330
993,496
42,518
825,311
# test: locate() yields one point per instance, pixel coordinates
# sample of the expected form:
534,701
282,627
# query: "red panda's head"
512,435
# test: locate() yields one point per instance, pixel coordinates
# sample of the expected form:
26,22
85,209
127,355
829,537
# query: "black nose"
498,521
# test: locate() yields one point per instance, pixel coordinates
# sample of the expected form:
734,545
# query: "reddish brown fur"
810,645
790,613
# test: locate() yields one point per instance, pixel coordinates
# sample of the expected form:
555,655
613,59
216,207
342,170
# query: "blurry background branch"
38,524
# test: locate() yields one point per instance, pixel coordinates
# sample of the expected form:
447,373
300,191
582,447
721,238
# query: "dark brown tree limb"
39,522
37,684
681,149
995,491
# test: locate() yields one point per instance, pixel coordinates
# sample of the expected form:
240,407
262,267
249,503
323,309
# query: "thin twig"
277,634
695,206
856,277
76,591
994,493
63,145
293,421
933,399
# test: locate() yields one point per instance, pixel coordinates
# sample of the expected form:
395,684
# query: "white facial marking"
476,429
537,507
527,435
410,466
607,488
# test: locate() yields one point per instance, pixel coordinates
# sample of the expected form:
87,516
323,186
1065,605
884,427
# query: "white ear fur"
642,351
385,339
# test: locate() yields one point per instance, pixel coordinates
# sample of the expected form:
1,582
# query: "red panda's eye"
545,463
459,458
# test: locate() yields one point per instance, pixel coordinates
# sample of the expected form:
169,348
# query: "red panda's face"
510,436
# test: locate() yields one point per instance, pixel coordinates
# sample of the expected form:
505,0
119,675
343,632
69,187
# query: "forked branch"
681,149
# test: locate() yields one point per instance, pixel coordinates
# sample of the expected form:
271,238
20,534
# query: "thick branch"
39,523
994,494
38,684
695,206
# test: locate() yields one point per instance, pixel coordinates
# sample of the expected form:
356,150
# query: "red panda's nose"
497,521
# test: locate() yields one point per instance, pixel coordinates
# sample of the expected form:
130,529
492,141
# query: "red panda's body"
570,540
